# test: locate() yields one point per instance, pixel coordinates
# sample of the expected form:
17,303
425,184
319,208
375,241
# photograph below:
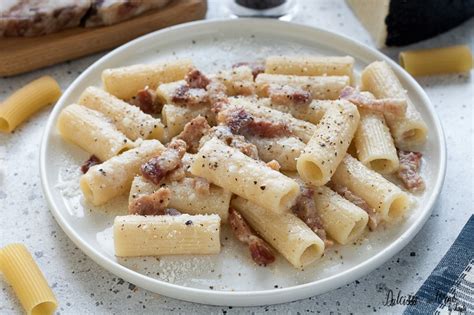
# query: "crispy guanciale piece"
256,67
288,95
158,167
242,122
395,106
259,250
410,163
305,209
374,219
195,79
91,161
154,204
184,95
147,102
193,132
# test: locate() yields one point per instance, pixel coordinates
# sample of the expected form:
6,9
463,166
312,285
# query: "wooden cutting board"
20,54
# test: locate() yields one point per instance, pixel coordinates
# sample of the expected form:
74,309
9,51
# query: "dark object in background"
277,9
402,22
260,4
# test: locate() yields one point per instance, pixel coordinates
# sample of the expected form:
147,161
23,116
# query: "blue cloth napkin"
450,287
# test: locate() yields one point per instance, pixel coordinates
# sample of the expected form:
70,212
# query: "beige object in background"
371,14
28,282
26,101
453,59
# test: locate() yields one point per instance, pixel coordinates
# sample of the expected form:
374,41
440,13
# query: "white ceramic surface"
230,278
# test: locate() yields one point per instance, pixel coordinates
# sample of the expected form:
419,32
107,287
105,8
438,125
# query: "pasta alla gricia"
253,147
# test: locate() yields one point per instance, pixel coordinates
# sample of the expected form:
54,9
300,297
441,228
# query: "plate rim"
243,298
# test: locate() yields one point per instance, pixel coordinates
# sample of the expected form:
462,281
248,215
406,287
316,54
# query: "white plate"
234,279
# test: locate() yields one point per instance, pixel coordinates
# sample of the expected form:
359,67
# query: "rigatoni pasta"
342,220
265,153
407,130
321,88
92,131
26,101
299,128
185,197
127,118
232,170
330,141
284,150
136,235
125,82
175,117
383,196
288,234
313,112
374,143
453,59
238,81
114,177
310,65
27,280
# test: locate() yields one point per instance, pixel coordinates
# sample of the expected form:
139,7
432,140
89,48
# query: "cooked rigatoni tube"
379,193
408,129
129,119
114,177
26,101
185,197
23,274
92,131
321,88
341,219
312,112
290,236
299,128
310,65
232,170
329,144
136,235
124,82
238,81
374,143
284,150
176,117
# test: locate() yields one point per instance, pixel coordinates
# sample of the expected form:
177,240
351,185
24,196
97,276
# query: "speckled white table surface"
83,287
